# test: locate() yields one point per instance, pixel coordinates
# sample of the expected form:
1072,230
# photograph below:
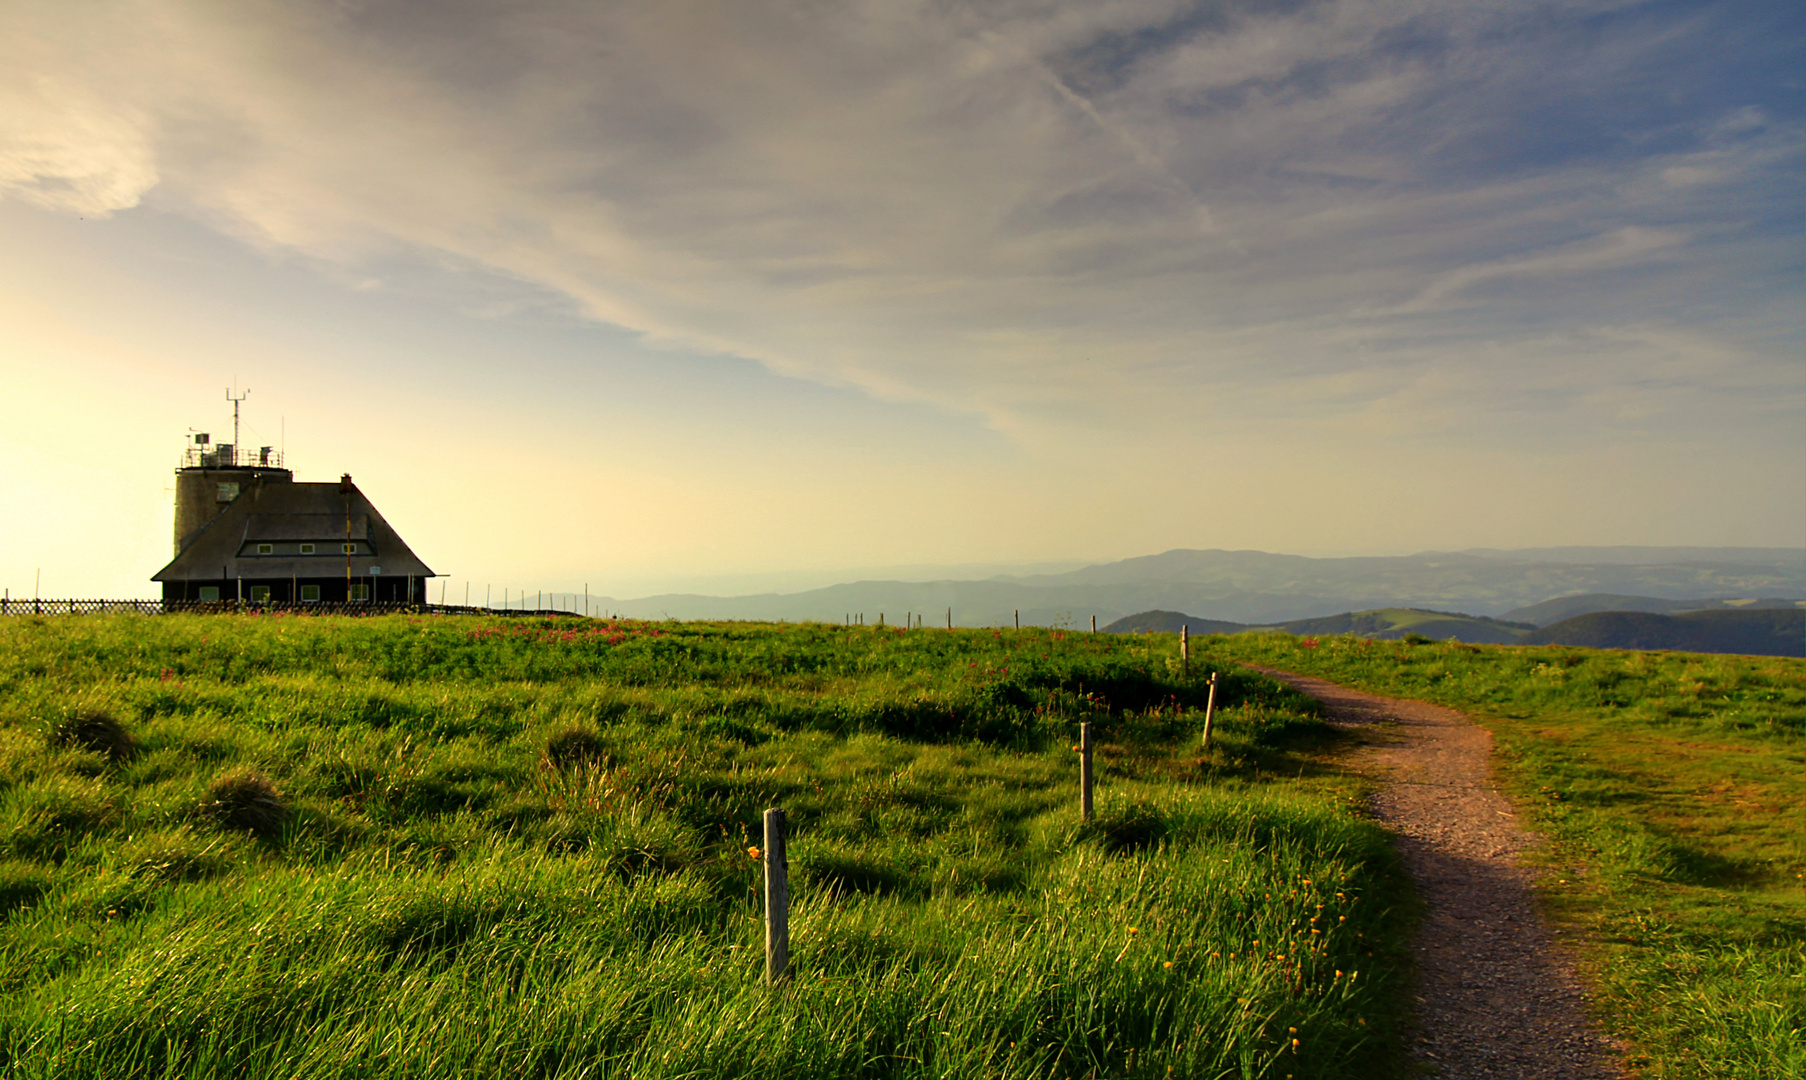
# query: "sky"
740,295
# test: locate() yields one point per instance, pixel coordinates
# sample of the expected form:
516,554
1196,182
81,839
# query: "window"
307,549
310,594
227,492
360,592
266,549
209,593
350,549
260,594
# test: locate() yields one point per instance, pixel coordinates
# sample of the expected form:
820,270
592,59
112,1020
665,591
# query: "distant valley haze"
761,309
1253,587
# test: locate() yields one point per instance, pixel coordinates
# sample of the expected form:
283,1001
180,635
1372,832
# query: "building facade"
245,530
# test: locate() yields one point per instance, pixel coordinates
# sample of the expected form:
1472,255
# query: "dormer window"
266,549
307,549
351,549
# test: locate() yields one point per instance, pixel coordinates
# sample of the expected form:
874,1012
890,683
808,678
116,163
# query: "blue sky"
656,296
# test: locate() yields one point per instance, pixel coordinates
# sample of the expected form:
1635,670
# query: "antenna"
235,401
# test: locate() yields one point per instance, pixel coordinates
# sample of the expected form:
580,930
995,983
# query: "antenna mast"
235,401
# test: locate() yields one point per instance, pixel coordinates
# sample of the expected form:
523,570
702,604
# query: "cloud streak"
1024,211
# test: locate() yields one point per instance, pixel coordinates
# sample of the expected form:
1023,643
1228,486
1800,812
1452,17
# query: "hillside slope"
1555,610
1394,623
1383,623
1759,632
1169,622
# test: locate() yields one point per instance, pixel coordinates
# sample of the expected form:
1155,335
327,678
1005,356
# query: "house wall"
288,590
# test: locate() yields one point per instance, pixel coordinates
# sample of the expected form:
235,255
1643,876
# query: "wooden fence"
18,606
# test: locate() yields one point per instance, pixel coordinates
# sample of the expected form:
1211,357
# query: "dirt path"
1498,997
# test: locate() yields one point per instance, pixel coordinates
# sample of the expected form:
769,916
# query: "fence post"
949,618
1085,776
777,899
1094,624
1210,707
1184,649
1018,618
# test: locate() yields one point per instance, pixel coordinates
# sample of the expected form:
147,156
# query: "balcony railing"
227,456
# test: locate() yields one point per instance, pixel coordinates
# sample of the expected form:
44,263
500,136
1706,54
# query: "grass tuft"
575,747
245,801
95,731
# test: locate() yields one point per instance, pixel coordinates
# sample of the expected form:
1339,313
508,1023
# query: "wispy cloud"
1024,210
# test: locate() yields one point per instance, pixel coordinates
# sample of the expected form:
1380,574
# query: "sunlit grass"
470,847
1672,785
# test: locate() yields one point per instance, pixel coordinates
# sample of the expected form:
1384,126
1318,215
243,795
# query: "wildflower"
752,852
1168,965
1133,930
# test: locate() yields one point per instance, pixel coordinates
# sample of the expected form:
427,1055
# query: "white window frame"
307,549
266,549
310,594
360,593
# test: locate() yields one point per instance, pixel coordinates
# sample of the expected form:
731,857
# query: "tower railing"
226,456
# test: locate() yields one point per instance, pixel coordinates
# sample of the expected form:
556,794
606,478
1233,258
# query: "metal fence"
10,606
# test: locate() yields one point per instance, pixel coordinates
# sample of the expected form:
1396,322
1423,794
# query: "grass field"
1673,788
434,847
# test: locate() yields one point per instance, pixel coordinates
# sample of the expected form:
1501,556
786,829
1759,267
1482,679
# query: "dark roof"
307,526
278,510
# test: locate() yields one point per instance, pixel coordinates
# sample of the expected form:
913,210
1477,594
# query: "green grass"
1672,787
423,847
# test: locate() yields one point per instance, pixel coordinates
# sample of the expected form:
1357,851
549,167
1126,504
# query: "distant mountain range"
1761,628
1255,587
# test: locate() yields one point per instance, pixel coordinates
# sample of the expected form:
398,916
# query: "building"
245,530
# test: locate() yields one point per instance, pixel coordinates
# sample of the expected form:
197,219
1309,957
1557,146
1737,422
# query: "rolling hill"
1758,632
1553,611
1385,624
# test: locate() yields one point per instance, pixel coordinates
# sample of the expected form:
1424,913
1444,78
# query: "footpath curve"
1498,998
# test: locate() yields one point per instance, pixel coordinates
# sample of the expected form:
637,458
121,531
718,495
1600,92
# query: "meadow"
1671,788
455,846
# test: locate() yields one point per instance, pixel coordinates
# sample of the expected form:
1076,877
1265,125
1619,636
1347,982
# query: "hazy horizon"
737,293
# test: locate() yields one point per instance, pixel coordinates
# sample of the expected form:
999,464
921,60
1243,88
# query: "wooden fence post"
949,618
1018,618
1085,776
1184,649
777,899
1210,707
1094,624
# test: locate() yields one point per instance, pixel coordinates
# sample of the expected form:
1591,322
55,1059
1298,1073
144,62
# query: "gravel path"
1497,995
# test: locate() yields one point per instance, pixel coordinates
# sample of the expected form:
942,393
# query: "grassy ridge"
437,847
1672,786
